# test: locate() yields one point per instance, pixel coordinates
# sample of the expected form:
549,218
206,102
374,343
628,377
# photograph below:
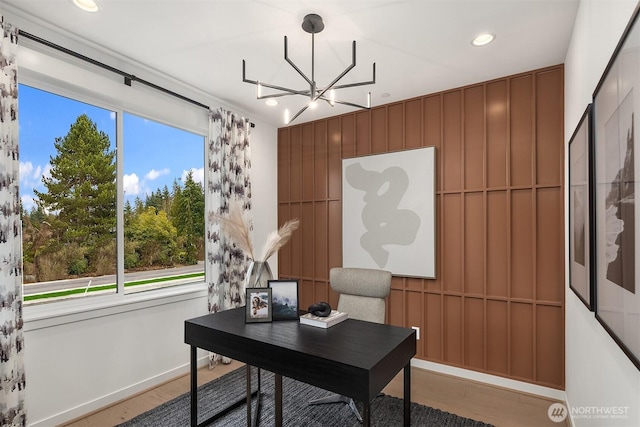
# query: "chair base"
336,398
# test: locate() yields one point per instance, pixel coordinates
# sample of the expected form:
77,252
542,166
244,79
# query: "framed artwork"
581,272
615,114
258,308
388,212
284,299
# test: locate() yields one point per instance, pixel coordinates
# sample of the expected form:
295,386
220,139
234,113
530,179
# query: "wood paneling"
522,130
452,142
474,137
549,119
497,251
413,123
396,127
473,244
379,130
497,302
497,133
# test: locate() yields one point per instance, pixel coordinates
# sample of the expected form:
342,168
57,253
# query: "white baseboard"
521,386
112,398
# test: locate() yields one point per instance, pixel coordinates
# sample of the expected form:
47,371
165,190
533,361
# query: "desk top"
366,355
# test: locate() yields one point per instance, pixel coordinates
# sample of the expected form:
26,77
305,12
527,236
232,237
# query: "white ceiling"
419,46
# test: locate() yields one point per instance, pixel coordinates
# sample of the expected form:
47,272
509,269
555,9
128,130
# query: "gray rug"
385,410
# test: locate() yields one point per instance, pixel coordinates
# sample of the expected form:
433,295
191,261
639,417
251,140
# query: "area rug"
386,410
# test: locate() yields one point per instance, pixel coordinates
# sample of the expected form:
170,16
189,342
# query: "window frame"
142,104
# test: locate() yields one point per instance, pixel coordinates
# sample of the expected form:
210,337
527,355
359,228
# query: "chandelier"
313,24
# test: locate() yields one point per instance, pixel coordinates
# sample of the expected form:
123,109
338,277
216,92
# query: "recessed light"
385,95
271,102
87,5
483,39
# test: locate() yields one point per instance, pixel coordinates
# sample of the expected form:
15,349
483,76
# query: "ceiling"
418,46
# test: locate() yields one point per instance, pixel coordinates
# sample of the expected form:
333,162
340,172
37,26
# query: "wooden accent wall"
497,304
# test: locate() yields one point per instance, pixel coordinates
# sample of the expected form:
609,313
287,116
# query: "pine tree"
188,217
81,191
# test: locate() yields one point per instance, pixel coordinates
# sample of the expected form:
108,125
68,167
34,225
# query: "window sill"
58,313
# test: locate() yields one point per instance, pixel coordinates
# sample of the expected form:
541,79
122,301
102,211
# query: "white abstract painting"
388,212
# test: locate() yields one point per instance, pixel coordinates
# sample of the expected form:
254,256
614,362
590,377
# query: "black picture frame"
258,306
616,117
285,301
581,219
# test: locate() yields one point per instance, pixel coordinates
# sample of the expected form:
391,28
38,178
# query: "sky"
154,154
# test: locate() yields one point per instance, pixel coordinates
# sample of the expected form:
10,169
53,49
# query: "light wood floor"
494,405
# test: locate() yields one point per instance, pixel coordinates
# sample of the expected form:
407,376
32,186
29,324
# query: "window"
69,181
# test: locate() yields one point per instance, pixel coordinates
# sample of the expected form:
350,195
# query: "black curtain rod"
128,78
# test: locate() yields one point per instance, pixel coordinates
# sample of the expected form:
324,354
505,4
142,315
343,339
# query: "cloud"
198,175
31,175
131,184
28,202
154,174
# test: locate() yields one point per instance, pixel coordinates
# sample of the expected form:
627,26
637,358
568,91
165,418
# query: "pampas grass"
237,229
279,238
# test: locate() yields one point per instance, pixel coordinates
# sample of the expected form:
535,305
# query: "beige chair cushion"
362,292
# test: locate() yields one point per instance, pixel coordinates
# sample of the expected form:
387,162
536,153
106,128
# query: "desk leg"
194,387
278,402
366,414
407,394
248,395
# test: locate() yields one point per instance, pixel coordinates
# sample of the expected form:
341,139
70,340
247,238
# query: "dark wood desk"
354,358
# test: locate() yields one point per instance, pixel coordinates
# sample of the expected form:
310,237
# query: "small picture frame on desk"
258,307
284,299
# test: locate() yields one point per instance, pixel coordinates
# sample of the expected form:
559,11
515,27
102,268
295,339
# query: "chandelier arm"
302,110
341,75
295,67
271,86
370,82
350,104
283,89
281,94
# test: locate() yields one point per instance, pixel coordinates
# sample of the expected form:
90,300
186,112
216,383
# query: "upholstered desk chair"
362,295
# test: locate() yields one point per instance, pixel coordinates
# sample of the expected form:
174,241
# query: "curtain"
12,377
228,179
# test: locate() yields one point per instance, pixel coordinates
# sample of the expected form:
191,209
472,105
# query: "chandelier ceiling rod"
313,24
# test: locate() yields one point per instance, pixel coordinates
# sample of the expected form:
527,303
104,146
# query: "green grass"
68,292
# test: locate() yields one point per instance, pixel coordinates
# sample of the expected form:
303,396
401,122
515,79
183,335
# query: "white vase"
258,275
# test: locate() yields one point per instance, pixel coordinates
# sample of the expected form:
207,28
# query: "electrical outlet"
417,329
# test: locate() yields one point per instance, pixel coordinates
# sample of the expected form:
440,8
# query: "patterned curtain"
229,163
12,378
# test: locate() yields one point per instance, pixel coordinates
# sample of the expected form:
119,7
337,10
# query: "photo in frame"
284,299
388,212
616,116
258,308
581,254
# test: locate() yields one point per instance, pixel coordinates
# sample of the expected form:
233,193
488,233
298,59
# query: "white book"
324,322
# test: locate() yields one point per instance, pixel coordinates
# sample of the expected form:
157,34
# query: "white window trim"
50,314
55,73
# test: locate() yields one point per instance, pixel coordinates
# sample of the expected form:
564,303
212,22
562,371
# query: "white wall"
598,373
81,357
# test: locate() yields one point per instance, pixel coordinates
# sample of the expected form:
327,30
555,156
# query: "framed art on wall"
388,212
616,117
284,299
580,211
258,308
